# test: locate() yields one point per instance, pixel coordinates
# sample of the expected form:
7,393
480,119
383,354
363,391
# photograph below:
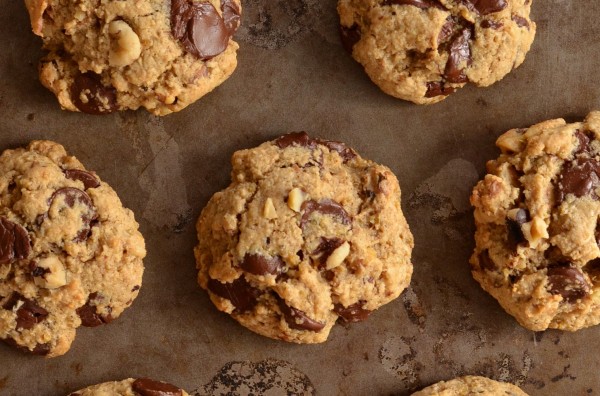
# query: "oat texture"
308,233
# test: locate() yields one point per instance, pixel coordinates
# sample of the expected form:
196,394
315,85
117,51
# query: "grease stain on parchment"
399,358
268,377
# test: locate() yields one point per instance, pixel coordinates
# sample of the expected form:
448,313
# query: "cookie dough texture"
536,211
111,55
471,386
307,233
424,50
70,254
132,387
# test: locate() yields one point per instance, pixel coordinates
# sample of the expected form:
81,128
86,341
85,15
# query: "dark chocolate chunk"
520,21
344,151
326,247
438,89
350,36
486,262
73,196
88,179
148,387
423,4
352,313
14,241
447,30
28,313
584,142
579,177
485,7
490,24
258,264
515,233
90,96
326,207
231,15
199,28
89,315
459,57
295,139
241,294
298,319
569,282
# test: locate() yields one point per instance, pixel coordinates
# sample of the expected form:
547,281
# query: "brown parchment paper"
294,75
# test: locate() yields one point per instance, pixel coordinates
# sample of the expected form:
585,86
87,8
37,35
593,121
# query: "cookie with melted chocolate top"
308,233
537,213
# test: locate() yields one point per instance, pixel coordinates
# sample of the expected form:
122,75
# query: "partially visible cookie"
70,253
307,233
424,50
537,214
131,387
471,386
116,55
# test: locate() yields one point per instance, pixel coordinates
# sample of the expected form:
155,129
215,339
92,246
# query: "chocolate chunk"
423,4
459,57
28,313
515,233
350,36
295,139
326,207
569,282
447,30
88,179
73,196
258,264
148,387
486,262
485,7
90,96
489,24
520,21
199,28
39,349
89,315
579,177
14,241
231,15
584,142
326,247
438,89
344,151
352,313
298,319
241,294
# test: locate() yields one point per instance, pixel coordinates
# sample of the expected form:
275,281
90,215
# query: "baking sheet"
294,75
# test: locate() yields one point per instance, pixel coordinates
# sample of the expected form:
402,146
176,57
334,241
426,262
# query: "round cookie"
307,233
131,387
471,386
116,55
70,254
424,50
536,211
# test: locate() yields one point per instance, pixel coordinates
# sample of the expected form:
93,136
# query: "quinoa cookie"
471,386
132,387
536,211
70,254
163,55
424,50
307,233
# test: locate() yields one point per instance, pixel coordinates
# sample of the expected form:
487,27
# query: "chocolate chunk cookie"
538,233
132,387
471,386
308,233
424,50
70,254
116,55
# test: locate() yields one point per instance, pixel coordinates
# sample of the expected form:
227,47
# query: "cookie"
536,211
131,387
424,50
116,55
70,254
308,233
471,386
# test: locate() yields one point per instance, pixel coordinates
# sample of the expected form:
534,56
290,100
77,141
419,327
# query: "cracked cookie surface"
131,387
308,233
70,253
536,211
163,55
471,386
424,50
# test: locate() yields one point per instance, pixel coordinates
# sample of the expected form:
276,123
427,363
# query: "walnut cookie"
307,233
132,387
424,50
70,254
538,236
471,386
163,55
